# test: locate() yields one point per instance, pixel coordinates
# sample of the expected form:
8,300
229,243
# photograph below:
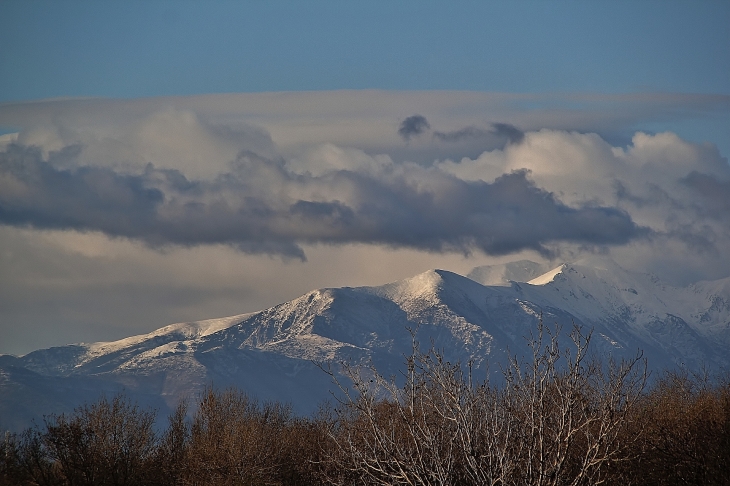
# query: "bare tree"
572,410
559,419
386,434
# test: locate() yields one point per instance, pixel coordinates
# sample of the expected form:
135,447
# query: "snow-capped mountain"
273,354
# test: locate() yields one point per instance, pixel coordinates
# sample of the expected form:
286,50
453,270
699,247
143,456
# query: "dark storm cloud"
461,134
413,125
261,207
511,132
499,135
34,192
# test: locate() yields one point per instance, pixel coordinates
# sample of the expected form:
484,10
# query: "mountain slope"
681,326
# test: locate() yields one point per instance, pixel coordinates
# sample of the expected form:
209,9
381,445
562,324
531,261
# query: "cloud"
461,134
34,192
468,140
713,195
180,132
676,188
173,138
260,206
413,125
511,132
497,137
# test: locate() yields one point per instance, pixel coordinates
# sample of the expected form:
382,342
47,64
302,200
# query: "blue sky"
135,48
166,161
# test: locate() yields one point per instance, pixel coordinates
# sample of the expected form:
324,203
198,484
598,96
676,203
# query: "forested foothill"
560,417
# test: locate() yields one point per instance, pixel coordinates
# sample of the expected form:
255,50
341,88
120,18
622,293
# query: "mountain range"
277,353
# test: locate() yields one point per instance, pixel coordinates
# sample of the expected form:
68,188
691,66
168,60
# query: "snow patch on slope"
160,342
547,277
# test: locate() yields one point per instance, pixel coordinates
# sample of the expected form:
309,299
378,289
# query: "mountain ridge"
272,353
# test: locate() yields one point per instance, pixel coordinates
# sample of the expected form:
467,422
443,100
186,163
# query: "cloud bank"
210,171
261,206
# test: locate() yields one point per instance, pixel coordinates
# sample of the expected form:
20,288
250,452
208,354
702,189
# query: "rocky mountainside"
273,354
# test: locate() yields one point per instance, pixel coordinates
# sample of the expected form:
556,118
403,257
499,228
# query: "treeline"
560,418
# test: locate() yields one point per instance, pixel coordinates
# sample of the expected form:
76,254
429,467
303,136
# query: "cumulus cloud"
713,195
677,188
260,206
413,125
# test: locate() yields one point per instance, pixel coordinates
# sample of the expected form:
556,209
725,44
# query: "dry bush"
110,442
236,440
170,461
306,448
687,436
16,458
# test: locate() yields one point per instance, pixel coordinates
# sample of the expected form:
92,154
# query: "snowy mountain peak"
595,272
426,285
428,281
431,288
